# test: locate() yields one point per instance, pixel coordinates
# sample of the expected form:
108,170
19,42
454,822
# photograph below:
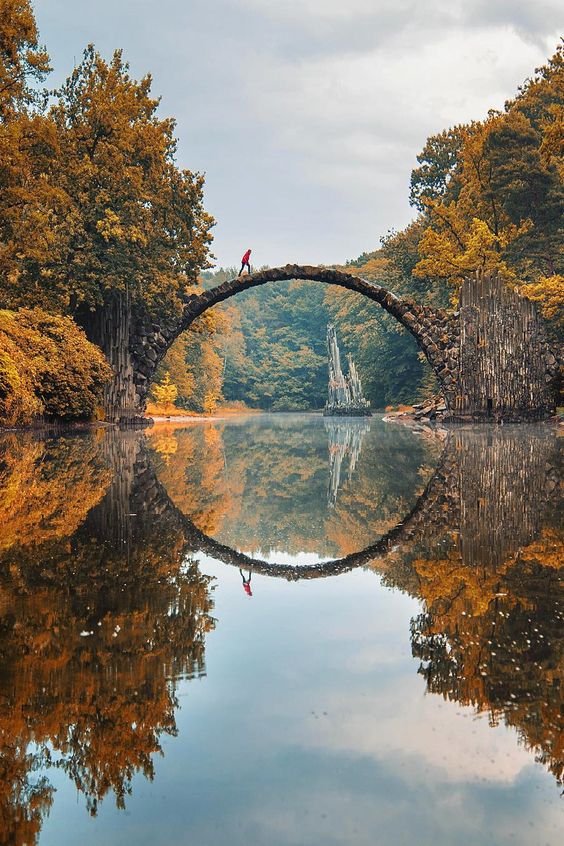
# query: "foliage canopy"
47,368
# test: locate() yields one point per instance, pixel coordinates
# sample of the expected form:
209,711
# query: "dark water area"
283,631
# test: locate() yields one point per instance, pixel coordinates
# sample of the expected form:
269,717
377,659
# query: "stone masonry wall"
507,370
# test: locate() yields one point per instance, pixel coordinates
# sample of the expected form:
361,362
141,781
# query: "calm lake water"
282,631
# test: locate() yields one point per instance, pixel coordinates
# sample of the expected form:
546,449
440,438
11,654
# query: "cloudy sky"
306,115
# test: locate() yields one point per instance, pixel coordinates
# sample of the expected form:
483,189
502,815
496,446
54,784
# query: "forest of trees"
97,220
487,195
96,217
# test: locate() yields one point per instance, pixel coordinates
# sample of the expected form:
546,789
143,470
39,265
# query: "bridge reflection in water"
103,607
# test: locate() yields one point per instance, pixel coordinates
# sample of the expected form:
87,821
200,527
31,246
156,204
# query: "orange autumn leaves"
92,206
47,489
491,194
47,368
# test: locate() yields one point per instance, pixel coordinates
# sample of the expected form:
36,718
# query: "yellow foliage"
547,549
175,364
18,401
374,270
166,392
166,445
20,57
47,488
456,248
552,147
47,367
501,215
549,292
194,364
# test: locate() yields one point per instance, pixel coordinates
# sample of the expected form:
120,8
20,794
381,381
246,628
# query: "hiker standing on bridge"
245,262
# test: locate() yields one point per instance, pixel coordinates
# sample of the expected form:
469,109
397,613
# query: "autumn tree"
22,61
177,365
47,368
195,364
496,201
118,227
135,223
489,196
146,605
165,392
28,147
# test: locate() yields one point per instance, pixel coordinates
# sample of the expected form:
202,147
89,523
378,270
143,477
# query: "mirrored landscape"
282,629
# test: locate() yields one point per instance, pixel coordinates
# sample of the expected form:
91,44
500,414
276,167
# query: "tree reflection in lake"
505,655
491,633
484,554
97,621
103,608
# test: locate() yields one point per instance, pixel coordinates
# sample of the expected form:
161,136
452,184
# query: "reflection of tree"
508,659
483,552
103,613
491,633
35,505
193,474
95,627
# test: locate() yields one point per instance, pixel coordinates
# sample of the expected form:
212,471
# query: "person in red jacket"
246,583
245,262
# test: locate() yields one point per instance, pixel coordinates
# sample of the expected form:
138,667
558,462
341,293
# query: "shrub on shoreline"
48,369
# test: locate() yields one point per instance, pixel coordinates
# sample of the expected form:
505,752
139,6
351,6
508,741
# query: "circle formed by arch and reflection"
404,531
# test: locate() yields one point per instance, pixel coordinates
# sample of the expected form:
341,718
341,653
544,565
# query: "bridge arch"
436,331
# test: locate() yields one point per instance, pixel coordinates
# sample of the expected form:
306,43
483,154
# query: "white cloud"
307,115
365,116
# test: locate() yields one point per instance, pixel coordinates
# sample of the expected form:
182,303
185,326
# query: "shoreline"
148,421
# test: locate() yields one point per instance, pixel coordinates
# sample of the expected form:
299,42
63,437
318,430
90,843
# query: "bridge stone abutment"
491,357
506,369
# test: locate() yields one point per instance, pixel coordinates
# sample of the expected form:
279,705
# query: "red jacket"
246,257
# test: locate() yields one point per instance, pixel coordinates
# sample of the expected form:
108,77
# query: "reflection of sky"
312,728
280,556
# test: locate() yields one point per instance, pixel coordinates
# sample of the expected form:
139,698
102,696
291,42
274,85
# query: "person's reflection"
246,583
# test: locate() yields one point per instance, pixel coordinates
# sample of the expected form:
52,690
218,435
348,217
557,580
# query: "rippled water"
282,630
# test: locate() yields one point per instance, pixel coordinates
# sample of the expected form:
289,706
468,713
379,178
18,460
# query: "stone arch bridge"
491,357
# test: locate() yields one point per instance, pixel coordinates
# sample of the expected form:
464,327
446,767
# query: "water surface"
171,674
